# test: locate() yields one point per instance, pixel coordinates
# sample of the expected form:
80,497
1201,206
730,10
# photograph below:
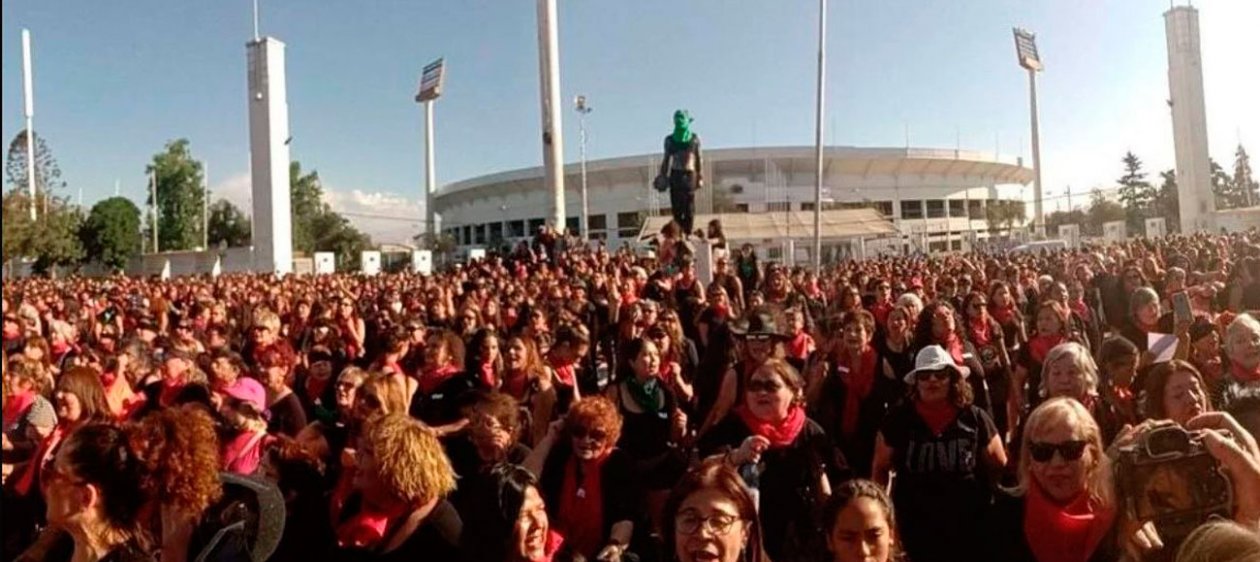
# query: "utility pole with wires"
154,207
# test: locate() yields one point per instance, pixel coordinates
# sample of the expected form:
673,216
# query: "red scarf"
937,415
1005,315
315,388
565,372
43,455
953,344
1081,309
515,384
880,311
779,434
582,507
1040,345
430,380
1067,533
981,332
166,397
16,408
800,346
859,383
367,528
1242,375
487,375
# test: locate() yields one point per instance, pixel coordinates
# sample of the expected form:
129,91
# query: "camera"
1166,476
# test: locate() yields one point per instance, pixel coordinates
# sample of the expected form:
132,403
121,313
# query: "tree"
228,226
111,233
1166,202
1001,213
316,227
1222,186
1058,218
1136,194
180,197
1101,210
52,239
1246,188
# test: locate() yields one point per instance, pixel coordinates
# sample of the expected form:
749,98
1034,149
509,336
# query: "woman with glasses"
711,516
1064,507
784,455
985,334
947,455
327,437
588,484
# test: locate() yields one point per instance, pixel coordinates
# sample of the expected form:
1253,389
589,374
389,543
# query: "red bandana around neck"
980,331
1081,309
582,506
1004,315
1242,375
779,434
1067,533
431,380
859,382
937,415
488,376
367,528
1040,345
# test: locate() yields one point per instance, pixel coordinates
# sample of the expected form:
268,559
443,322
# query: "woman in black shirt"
947,455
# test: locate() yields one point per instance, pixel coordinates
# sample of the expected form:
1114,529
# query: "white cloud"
385,216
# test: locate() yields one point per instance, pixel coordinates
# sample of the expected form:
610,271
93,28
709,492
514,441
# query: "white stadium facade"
935,198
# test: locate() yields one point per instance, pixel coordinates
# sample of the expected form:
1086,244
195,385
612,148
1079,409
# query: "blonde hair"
1220,541
1242,322
410,461
1080,358
390,391
1067,410
266,318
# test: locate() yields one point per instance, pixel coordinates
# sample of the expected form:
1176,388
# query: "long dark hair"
714,474
499,497
85,384
923,329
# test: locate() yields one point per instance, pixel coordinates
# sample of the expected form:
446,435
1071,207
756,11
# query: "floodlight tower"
1026,50
431,81
579,104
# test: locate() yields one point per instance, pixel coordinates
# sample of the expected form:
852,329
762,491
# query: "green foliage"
47,172
316,227
180,197
111,233
1244,190
1166,204
440,244
1004,213
1136,194
228,226
1101,210
1057,218
51,240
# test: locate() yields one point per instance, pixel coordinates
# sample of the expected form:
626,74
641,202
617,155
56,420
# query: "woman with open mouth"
711,516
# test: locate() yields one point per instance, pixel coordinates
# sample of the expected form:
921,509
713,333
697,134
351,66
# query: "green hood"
682,127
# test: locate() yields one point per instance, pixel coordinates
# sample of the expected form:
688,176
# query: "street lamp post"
818,132
28,110
431,80
583,109
1026,50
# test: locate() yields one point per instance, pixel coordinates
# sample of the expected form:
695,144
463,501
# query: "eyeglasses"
1069,450
768,386
346,385
979,305
939,375
689,522
584,433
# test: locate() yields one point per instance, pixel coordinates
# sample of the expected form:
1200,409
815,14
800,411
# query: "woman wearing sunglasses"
1064,507
785,456
947,454
760,339
587,483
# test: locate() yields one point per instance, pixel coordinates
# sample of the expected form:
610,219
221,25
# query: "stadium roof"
749,227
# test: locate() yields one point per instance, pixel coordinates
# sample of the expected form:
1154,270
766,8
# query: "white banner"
1114,231
1156,227
371,263
1070,233
422,262
325,263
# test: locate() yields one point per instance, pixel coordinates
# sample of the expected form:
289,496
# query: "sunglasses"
940,375
979,305
767,386
758,337
593,434
1069,450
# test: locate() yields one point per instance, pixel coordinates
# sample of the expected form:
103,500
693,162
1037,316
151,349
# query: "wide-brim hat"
934,358
758,323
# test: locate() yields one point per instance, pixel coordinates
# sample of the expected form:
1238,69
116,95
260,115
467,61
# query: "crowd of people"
562,402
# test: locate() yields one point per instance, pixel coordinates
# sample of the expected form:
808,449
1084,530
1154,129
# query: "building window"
936,208
572,224
467,239
912,209
534,225
597,222
778,206
496,232
516,229
774,253
957,208
975,208
808,206
479,234
597,235
936,246
741,207
884,208
628,225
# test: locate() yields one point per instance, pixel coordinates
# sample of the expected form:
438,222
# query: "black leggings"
682,202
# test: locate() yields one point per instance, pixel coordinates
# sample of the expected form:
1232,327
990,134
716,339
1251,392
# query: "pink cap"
249,391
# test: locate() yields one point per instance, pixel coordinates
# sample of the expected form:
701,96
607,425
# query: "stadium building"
935,199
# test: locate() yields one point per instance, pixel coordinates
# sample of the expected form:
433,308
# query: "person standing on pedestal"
681,171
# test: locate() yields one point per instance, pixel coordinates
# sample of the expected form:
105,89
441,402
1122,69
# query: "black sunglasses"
767,386
594,434
1069,450
939,375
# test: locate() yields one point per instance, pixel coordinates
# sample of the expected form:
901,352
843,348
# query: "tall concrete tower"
269,156
1189,118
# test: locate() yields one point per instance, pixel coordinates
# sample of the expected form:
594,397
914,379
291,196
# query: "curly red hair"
596,412
180,451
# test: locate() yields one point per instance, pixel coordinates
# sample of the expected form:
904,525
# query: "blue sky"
115,81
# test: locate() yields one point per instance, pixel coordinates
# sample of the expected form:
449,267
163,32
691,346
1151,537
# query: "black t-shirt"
942,490
287,416
790,506
437,538
445,404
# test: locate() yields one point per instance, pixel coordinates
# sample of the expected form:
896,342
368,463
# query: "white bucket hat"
934,358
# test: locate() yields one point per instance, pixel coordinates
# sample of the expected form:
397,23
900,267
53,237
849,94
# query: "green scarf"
682,128
648,395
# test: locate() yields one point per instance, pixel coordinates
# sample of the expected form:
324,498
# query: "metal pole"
549,78
153,194
584,226
818,132
1039,219
205,207
28,88
430,173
